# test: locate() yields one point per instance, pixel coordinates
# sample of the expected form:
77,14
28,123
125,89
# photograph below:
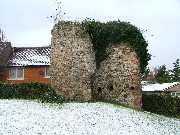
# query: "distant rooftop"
29,56
158,87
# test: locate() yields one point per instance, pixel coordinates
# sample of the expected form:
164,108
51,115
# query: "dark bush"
50,96
161,104
31,90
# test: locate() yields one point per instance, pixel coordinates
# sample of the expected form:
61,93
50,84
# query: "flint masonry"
74,72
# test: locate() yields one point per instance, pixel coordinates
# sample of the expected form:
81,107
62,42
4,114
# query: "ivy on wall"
103,34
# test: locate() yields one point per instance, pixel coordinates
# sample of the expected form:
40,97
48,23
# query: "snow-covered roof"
159,87
29,56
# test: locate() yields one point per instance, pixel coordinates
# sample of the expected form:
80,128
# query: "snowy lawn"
23,117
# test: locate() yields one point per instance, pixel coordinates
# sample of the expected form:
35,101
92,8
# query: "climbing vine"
103,34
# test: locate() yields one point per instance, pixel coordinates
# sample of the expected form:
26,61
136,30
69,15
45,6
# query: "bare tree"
59,15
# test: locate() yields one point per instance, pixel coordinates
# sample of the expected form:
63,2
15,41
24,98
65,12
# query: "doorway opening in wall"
110,87
99,90
132,88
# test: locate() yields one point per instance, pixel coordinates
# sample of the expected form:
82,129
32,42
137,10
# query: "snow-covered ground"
22,117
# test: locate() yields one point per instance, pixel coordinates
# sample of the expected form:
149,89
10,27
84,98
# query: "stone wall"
72,61
118,78
5,51
74,73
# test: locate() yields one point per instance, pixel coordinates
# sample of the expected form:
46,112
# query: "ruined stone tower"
74,72
72,61
118,78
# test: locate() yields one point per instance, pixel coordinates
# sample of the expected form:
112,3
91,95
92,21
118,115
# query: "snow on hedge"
23,117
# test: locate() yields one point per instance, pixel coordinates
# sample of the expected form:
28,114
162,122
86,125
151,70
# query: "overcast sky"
25,22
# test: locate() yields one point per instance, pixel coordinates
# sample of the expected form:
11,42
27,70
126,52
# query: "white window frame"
47,76
16,76
175,94
178,94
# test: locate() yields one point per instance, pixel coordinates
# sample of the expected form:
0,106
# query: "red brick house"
28,64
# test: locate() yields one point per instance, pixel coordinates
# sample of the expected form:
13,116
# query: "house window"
16,73
178,94
175,94
48,72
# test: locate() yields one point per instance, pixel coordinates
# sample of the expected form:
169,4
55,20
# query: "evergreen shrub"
31,90
161,104
103,34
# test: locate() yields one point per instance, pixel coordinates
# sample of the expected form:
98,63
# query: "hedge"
32,90
161,104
